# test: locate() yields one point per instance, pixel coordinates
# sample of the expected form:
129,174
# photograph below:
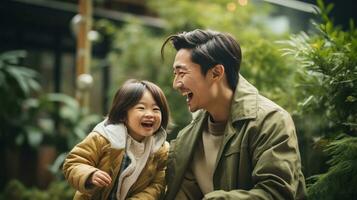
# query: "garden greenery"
327,87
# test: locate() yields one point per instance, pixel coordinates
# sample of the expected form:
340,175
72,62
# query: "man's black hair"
209,48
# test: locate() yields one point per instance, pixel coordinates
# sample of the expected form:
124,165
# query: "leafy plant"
58,120
57,190
30,119
17,83
328,76
328,90
340,180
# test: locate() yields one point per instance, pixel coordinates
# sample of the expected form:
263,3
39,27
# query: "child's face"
144,118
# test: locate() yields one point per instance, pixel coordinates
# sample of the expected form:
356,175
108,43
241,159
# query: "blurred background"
62,61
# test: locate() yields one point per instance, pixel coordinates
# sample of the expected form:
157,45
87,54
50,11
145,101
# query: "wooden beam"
83,55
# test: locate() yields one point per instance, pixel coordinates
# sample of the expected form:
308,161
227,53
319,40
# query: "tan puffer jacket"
96,151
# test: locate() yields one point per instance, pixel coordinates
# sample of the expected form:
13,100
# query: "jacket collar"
243,107
244,102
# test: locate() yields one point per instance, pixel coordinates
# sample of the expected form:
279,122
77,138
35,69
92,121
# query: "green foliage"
327,82
328,77
215,15
57,190
29,118
16,80
340,180
273,75
57,119
17,83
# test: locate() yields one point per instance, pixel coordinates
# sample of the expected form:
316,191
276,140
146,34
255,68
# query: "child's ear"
217,71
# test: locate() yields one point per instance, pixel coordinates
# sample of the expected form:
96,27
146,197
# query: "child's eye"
140,107
157,109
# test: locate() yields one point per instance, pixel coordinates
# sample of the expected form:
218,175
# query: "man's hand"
100,178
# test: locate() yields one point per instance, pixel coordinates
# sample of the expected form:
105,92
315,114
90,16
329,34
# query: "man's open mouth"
188,95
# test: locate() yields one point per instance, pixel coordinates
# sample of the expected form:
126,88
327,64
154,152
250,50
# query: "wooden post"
83,50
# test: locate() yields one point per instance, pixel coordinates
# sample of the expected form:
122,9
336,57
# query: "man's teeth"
185,93
188,95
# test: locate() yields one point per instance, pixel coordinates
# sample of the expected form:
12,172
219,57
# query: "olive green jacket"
259,157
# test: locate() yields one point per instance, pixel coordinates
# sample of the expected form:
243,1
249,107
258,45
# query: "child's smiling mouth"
147,124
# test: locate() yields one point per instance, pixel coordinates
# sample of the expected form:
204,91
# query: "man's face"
190,82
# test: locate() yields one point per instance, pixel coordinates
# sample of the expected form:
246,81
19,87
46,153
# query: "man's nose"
177,84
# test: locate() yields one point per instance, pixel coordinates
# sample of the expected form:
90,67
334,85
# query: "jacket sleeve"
275,160
81,161
157,187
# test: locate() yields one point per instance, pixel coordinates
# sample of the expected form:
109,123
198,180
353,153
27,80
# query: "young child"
124,157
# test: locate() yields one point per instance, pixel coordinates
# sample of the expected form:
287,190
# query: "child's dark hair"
130,94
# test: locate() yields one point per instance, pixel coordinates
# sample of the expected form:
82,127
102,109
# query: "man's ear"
217,71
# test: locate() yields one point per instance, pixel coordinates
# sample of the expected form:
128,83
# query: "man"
240,145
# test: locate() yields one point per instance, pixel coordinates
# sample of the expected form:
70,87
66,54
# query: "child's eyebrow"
140,102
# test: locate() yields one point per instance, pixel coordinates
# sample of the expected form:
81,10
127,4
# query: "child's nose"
149,114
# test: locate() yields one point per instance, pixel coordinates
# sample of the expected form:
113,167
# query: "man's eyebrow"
179,66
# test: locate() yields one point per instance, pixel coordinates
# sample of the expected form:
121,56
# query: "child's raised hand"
100,178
